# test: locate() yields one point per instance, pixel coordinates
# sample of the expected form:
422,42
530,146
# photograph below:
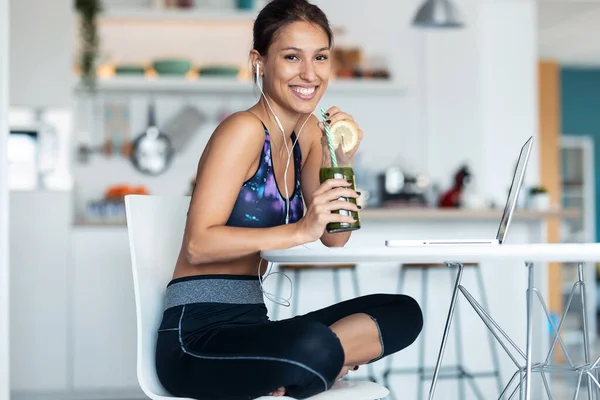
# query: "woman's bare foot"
279,392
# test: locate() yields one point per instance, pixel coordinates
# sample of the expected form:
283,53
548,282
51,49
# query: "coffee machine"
401,188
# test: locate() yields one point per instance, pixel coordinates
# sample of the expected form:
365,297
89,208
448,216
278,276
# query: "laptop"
509,209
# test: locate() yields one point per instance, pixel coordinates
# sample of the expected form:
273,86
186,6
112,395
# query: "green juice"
346,173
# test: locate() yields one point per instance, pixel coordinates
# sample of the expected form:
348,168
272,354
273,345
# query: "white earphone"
286,301
274,116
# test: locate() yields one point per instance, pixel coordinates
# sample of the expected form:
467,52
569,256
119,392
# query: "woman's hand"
325,199
334,115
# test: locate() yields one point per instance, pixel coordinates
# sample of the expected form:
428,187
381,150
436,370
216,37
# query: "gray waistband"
214,290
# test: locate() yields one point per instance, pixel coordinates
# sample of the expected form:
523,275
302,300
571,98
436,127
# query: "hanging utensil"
152,150
183,126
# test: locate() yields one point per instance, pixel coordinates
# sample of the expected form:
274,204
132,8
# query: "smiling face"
297,67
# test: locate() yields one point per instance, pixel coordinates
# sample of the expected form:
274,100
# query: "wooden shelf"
217,16
179,85
140,15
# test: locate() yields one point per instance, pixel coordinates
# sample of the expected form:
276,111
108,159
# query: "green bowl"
172,66
218,71
129,70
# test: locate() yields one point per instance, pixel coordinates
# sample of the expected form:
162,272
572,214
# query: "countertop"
417,213
407,213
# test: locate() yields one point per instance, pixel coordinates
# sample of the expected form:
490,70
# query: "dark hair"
278,14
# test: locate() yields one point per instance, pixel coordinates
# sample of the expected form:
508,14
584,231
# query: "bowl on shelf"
129,69
172,66
218,71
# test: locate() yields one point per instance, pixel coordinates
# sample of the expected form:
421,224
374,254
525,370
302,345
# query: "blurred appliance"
397,187
32,155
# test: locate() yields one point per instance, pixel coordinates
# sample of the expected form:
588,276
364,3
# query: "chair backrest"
155,225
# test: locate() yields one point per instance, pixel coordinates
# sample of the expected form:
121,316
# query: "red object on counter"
452,197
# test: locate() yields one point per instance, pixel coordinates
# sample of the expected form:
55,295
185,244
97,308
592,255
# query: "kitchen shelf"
179,85
217,16
140,15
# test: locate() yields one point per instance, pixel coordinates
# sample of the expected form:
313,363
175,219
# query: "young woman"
215,341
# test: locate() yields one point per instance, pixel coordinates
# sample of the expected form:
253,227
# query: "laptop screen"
515,188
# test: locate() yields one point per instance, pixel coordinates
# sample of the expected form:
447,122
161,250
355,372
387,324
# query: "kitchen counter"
429,214
461,214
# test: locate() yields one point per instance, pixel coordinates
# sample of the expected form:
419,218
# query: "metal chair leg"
492,343
438,364
278,295
296,294
586,340
356,287
388,360
337,291
459,351
421,367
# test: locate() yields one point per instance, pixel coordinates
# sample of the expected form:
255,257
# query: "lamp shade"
437,14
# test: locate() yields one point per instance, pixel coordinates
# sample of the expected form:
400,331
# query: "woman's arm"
229,157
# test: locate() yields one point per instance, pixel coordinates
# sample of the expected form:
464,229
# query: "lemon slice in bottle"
344,133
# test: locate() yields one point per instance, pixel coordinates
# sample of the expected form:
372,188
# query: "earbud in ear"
257,70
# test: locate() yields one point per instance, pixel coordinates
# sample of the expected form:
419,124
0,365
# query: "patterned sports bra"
260,203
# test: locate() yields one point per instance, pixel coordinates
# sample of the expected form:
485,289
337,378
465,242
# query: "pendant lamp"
438,14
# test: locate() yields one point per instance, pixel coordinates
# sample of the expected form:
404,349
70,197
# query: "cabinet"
39,290
578,191
104,319
73,321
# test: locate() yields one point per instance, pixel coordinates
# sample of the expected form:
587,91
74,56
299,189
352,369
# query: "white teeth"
304,91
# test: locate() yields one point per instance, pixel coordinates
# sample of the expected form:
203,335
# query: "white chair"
155,225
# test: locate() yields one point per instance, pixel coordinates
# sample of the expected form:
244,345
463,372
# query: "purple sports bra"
260,203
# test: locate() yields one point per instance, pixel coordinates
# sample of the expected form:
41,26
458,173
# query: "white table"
453,256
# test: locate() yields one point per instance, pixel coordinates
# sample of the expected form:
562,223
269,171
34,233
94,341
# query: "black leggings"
216,342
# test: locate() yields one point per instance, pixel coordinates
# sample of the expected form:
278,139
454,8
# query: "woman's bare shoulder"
238,139
241,126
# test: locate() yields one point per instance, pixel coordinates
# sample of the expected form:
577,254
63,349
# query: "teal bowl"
129,70
172,66
218,71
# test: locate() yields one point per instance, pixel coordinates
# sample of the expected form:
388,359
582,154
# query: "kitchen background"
423,114
429,102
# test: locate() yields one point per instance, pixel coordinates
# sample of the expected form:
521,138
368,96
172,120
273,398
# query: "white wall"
470,94
41,63
509,90
41,53
4,272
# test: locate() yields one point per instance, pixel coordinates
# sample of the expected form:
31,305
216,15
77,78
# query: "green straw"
329,139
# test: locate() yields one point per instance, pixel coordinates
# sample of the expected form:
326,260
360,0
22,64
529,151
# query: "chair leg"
388,360
296,293
492,343
421,367
459,348
355,284
276,307
447,326
337,291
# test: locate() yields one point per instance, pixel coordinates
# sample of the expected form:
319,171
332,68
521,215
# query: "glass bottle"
337,164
